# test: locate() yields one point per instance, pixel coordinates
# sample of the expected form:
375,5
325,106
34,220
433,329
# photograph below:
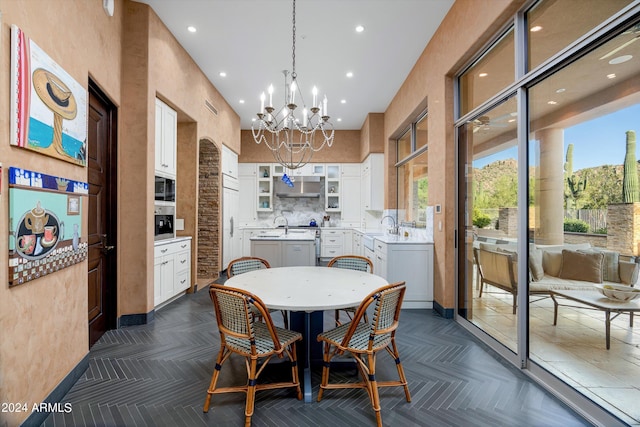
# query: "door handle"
105,249
231,224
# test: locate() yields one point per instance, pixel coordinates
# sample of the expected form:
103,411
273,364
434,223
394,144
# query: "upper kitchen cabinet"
166,140
350,186
247,188
310,169
264,188
373,182
229,162
332,188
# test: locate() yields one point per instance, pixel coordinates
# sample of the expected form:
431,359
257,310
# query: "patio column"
549,228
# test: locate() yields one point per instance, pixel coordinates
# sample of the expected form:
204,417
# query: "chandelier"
293,140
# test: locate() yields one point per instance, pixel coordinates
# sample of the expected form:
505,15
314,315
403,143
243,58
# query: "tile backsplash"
297,210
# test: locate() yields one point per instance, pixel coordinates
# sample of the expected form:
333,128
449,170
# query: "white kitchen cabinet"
357,243
247,234
351,214
166,129
332,188
247,190
347,242
408,262
231,241
264,188
310,169
331,243
171,269
229,162
373,182
285,253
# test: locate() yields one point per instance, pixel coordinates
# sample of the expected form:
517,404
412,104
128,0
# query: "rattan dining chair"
364,341
247,264
240,333
351,262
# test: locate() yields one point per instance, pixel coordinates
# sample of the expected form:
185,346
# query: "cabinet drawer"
333,240
380,248
331,251
182,261
182,282
164,250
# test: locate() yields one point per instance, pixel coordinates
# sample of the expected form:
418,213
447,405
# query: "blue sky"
601,141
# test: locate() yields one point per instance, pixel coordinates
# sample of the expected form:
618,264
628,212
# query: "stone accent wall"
595,240
508,221
623,228
208,252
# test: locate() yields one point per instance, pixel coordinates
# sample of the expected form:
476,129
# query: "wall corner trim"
447,313
136,319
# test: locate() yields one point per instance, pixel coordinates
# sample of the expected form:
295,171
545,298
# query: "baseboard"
52,400
135,319
447,313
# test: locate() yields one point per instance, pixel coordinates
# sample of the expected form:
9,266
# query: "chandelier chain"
293,48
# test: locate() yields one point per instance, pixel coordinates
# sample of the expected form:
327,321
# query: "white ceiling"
251,41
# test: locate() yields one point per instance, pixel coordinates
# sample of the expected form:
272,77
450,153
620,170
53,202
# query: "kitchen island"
285,249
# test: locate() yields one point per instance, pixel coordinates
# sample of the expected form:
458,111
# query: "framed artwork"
48,107
45,224
73,205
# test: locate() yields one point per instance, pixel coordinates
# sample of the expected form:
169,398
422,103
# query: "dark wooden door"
101,236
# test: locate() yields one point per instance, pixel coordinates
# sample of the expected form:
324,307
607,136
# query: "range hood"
303,186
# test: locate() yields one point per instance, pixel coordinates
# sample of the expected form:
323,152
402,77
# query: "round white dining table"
306,292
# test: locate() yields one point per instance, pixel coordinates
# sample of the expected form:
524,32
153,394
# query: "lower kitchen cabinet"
335,242
285,253
408,262
171,269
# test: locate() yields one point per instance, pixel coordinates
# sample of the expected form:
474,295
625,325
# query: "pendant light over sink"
293,139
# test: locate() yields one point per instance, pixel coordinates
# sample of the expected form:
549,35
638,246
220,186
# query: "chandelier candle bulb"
293,92
324,106
270,90
315,97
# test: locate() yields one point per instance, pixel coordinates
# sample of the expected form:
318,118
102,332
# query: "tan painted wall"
372,135
48,317
468,25
345,149
43,323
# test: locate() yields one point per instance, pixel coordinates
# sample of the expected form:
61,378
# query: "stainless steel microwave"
165,218
165,189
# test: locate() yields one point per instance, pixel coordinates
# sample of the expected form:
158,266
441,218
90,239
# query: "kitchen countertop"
279,234
167,241
393,239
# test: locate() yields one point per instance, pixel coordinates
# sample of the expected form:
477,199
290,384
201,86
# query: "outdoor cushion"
628,272
581,266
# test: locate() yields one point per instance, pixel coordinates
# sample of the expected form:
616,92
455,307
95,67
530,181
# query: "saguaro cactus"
574,185
630,193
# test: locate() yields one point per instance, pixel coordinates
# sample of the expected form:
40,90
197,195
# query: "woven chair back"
352,262
245,265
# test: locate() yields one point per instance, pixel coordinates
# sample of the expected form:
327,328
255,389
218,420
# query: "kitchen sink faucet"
394,229
286,223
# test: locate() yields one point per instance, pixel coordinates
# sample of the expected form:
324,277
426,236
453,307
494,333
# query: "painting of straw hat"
48,106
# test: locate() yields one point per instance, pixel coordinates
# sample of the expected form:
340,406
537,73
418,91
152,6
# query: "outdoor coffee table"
596,301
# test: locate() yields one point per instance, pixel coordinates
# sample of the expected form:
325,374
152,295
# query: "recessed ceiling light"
241,101
483,75
536,28
223,74
343,101
339,119
191,29
620,59
349,74
611,76
560,90
253,119
359,29
551,102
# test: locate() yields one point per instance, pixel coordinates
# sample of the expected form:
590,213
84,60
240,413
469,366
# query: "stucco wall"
466,28
43,323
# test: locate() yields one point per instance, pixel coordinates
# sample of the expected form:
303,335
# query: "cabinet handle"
182,281
166,262
183,246
163,250
380,258
379,247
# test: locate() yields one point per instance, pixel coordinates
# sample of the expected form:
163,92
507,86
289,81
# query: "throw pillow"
535,264
586,267
628,272
610,265
552,262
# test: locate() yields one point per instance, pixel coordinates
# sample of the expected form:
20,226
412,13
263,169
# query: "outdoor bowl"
620,293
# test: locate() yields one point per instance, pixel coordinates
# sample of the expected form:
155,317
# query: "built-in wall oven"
165,218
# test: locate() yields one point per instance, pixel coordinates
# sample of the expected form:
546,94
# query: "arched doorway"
208,251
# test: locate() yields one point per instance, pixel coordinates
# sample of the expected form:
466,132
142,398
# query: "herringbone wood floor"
157,375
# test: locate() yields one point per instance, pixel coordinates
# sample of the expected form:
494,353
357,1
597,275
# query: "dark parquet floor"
157,375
